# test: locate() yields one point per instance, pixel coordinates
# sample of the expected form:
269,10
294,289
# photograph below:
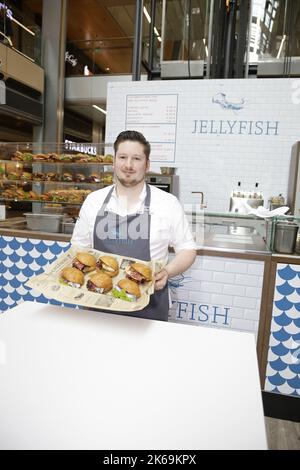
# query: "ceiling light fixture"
281,46
99,109
147,14
149,21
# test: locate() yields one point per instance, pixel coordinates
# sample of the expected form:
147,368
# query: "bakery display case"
47,183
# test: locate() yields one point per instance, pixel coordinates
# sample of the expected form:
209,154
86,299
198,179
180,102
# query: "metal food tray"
68,226
44,222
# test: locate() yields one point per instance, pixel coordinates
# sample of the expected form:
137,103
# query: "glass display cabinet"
246,233
231,232
41,179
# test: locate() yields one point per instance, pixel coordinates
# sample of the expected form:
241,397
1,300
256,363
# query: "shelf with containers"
285,235
51,178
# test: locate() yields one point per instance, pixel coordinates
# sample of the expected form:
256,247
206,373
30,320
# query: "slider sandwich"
93,178
38,176
72,277
108,265
67,177
127,290
100,283
12,175
80,177
51,176
84,262
25,176
138,272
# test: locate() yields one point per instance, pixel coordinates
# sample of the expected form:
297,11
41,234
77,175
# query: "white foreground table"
75,379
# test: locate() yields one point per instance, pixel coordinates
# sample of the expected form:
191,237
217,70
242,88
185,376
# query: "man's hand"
161,279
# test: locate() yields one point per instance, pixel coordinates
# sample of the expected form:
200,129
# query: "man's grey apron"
113,234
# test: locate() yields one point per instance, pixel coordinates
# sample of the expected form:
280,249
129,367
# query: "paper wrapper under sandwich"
48,283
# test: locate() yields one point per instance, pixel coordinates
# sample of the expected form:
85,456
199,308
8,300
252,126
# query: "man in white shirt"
136,220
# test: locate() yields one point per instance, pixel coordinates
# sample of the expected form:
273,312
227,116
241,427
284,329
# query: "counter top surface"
75,379
25,233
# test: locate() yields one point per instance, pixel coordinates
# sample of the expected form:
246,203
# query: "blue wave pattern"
20,259
283,368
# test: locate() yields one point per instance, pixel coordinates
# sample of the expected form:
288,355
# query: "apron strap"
107,198
148,199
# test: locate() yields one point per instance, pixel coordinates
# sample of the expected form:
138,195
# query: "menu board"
155,115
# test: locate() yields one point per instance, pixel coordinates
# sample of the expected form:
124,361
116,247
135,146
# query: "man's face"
130,163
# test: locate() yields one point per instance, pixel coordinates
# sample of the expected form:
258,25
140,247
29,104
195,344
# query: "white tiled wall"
219,292
214,163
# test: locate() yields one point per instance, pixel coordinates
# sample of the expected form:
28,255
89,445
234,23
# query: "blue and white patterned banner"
283,367
20,259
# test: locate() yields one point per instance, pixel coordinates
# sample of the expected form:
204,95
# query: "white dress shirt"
169,225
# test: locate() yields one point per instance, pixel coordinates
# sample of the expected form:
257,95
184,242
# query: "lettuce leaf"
121,295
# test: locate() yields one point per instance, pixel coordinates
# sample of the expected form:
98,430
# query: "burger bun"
102,281
111,263
72,275
143,269
130,287
88,260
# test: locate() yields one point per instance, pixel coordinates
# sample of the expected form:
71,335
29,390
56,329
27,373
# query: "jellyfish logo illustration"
220,98
296,354
178,281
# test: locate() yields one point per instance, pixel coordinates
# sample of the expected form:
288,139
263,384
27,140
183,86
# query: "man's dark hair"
135,136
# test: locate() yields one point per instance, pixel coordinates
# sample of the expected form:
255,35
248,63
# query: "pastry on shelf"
93,178
67,177
107,179
65,157
80,178
50,176
26,176
41,157
38,176
22,156
13,175
108,158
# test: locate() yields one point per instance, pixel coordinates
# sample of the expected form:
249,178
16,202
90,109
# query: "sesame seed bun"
130,287
72,275
143,269
102,280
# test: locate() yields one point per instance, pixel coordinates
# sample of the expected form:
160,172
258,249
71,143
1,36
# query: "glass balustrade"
186,30
20,32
